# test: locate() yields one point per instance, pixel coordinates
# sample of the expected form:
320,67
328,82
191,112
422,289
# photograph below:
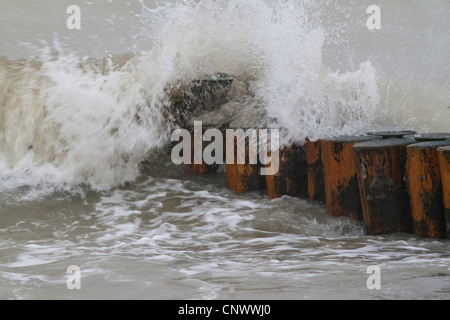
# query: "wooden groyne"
393,181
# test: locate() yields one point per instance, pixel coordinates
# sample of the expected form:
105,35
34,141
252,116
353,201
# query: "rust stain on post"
383,193
242,178
203,168
425,189
340,176
291,177
316,186
444,164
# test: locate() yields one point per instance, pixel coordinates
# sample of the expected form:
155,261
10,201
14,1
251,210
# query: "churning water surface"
83,183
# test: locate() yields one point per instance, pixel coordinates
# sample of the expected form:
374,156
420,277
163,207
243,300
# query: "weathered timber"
425,189
291,178
316,184
444,164
383,193
340,176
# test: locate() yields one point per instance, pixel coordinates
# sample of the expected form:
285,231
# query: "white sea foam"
81,122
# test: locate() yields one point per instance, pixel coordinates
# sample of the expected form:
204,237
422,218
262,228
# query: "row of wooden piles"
393,181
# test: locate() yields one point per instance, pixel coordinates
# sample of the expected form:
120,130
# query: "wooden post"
444,164
203,168
392,134
384,197
425,189
340,176
242,178
291,178
316,184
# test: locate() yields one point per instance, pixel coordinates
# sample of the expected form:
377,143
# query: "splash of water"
75,120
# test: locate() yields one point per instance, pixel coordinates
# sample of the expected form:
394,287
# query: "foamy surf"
95,121
195,241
